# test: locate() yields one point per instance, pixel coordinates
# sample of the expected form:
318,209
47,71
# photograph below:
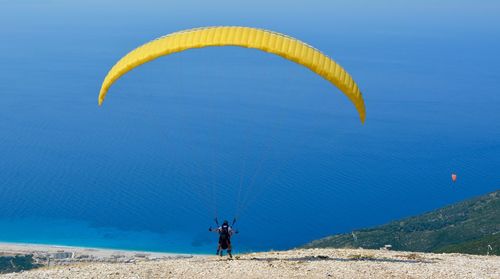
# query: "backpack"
224,236
224,231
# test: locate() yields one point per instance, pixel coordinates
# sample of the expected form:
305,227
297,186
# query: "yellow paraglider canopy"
272,42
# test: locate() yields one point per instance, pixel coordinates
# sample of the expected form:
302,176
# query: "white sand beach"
60,254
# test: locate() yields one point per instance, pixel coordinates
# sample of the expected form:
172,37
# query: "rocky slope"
310,263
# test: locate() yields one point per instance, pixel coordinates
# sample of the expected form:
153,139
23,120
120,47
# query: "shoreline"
22,247
32,255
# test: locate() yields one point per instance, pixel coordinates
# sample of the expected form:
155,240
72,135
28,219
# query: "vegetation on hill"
465,227
488,245
17,263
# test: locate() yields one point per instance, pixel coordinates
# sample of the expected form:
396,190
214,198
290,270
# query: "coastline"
45,255
24,248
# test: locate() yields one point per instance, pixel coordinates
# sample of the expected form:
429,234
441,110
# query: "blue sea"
232,132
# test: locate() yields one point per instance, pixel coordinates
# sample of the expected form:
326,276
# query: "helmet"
225,222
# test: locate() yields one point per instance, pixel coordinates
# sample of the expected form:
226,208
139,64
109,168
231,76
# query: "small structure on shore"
386,247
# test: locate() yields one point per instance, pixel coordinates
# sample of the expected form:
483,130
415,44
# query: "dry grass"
361,257
412,256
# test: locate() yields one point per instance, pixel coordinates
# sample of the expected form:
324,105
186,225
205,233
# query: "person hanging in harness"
225,232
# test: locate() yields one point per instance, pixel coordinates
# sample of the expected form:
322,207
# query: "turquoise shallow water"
79,233
231,131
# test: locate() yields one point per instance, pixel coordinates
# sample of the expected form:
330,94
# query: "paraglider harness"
224,237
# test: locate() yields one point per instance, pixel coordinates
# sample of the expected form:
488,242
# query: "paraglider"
453,177
247,37
225,232
268,41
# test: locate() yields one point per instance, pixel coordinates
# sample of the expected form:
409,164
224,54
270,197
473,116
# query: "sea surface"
233,132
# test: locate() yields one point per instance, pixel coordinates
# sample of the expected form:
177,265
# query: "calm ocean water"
232,131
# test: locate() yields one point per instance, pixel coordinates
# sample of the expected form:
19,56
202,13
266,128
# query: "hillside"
465,227
310,263
477,246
